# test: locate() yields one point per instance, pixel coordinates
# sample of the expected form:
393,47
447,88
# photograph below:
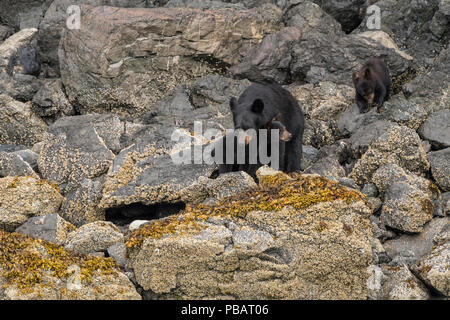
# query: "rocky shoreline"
93,207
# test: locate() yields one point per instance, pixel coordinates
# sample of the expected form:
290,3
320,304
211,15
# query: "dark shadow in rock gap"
124,215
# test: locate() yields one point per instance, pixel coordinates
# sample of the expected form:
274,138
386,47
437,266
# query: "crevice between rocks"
124,215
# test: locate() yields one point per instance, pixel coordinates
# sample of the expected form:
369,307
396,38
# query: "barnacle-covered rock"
295,236
32,269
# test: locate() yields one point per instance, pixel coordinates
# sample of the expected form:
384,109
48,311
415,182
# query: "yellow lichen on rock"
275,192
25,261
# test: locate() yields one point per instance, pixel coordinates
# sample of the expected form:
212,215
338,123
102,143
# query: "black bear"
232,166
372,85
257,107
29,61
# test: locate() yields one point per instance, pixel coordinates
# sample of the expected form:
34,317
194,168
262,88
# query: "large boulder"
408,199
299,237
32,269
398,145
125,60
79,147
408,23
54,22
316,57
25,197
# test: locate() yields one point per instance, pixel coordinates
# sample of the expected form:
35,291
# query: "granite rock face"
163,47
257,255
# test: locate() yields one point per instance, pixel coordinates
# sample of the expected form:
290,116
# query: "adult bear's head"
247,116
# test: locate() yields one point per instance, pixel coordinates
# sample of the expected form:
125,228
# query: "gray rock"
5,32
81,205
411,248
379,229
398,145
24,197
441,19
118,252
375,204
426,146
433,269
370,189
338,56
408,199
51,228
404,112
271,59
351,120
29,156
13,165
51,101
436,129
349,13
446,203
429,89
23,14
79,147
308,16
251,245
363,137
54,22
16,77
18,124
131,75
320,133
309,156
93,237
328,167
395,282
408,23
322,101
440,167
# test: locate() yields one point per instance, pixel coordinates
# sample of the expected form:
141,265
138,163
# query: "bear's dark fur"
29,61
372,85
251,169
257,107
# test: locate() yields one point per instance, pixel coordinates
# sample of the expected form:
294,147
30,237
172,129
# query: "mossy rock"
34,269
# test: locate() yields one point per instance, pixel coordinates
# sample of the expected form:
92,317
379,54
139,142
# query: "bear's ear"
258,106
367,73
233,103
355,77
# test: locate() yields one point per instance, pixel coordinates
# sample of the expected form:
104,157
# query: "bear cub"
274,124
266,106
372,85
